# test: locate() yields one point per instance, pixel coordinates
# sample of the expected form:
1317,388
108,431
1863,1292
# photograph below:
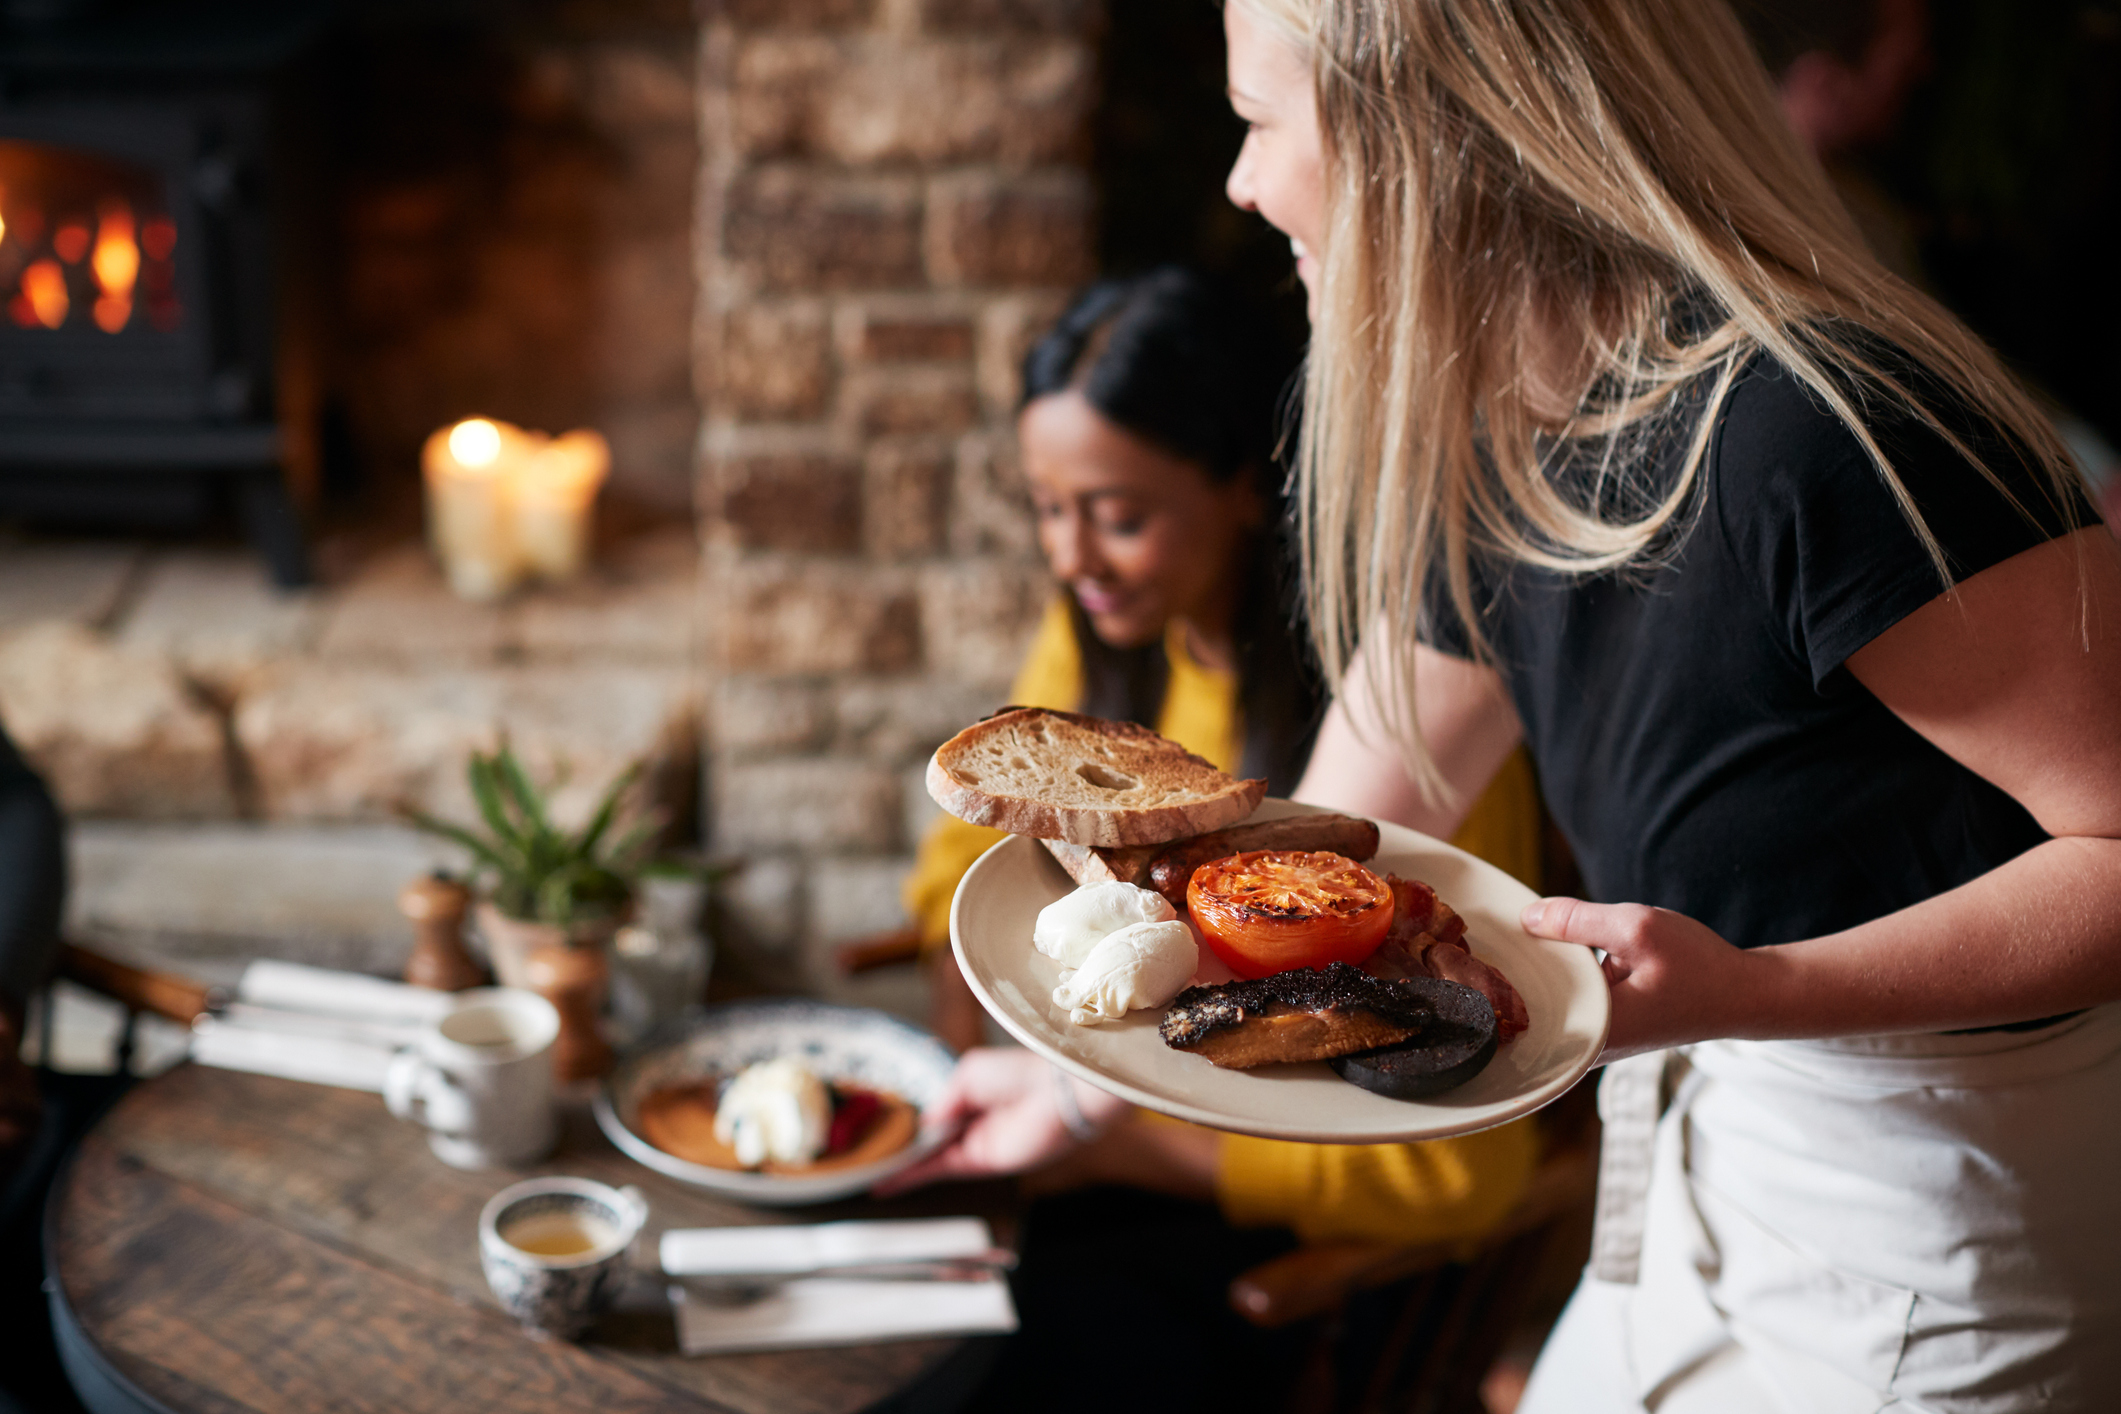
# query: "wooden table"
232,1242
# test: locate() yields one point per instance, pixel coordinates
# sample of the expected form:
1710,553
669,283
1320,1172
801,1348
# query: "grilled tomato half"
1274,909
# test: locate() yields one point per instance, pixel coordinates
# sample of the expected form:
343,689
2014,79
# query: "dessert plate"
1564,992
841,1043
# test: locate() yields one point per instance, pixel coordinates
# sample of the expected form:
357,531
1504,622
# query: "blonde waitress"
1612,423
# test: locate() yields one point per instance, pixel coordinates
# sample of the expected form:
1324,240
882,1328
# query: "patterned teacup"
554,1250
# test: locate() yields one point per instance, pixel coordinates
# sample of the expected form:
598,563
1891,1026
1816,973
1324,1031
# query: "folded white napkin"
820,1311
268,982
724,1251
318,1059
369,1030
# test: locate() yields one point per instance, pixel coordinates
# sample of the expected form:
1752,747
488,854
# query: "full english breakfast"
1334,960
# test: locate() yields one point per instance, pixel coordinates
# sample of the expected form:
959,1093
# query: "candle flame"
475,442
44,289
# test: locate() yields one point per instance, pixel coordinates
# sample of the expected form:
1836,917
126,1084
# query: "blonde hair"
1511,179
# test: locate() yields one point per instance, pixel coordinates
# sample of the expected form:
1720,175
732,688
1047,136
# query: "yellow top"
1427,1192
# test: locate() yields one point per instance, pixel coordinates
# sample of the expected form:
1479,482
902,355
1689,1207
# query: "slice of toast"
1085,780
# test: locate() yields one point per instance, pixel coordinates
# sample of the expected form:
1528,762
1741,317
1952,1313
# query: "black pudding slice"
1452,1049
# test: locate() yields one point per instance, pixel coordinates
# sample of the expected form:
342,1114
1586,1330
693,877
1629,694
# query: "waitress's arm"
1466,719
2017,678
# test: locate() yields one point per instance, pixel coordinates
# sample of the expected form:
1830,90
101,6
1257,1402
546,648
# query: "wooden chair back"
1454,1310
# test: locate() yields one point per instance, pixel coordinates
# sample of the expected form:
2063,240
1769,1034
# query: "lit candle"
555,488
469,474
503,503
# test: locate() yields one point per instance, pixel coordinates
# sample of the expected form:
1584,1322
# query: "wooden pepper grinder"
436,907
574,980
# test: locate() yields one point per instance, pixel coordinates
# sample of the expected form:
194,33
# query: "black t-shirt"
1697,737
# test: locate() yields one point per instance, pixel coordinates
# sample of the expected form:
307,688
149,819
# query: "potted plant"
549,899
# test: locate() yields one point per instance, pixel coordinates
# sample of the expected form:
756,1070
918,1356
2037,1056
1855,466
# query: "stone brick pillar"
895,197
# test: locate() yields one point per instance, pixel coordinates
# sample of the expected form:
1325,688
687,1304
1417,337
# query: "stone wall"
509,196
164,684
895,195
234,757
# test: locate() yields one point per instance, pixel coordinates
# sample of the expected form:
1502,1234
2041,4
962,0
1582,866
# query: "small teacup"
554,1250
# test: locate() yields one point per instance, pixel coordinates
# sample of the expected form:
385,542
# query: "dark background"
2007,162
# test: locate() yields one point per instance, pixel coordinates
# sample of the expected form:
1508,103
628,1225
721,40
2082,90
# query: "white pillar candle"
469,470
554,492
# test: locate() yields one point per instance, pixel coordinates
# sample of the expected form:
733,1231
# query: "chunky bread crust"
1063,776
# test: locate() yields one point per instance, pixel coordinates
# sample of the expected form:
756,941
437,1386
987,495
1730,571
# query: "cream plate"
990,929
853,1044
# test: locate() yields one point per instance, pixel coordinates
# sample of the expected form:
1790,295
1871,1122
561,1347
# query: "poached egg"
1141,965
1070,927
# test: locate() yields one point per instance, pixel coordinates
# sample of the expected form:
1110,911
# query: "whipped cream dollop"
774,1110
1071,926
1141,965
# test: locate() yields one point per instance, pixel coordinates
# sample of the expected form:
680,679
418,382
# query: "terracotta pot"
511,941
576,981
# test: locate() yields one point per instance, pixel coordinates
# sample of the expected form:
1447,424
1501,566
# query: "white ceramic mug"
558,1293
480,1078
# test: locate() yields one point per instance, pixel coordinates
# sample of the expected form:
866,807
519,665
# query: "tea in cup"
554,1250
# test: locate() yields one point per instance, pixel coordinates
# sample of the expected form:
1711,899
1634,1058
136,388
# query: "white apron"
1921,1223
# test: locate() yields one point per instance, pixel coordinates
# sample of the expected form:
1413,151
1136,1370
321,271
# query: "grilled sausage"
1335,834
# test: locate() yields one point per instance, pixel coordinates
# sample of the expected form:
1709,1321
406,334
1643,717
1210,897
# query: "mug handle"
414,1089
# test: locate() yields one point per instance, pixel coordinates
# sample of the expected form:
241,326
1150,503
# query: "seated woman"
1147,436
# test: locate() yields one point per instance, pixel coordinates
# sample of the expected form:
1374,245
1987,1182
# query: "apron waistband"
1977,1060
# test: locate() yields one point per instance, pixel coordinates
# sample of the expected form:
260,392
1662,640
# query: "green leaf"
458,835
486,794
634,843
586,844
556,901
519,786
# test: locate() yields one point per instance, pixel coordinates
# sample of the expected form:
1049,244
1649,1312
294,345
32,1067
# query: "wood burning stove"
137,258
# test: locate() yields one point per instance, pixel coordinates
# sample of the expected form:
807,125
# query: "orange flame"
117,265
159,237
44,287
71,241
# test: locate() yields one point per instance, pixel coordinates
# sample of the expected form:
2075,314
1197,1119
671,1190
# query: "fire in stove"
84,242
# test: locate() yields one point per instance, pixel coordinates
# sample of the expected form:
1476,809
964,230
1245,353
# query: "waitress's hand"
1673,980
1008,1104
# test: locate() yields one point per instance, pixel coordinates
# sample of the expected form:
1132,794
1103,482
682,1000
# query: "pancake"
679,1120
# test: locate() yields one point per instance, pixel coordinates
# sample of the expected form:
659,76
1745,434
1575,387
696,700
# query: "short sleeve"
1814,523
1442,627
